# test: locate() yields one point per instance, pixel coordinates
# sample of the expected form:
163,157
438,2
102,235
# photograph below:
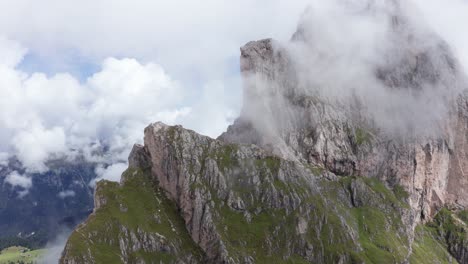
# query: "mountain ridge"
365,167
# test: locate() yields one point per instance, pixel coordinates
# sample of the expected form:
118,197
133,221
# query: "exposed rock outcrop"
241,204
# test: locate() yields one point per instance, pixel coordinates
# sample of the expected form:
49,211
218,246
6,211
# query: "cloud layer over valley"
53,117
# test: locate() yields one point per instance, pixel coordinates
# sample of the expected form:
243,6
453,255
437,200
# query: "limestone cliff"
310,172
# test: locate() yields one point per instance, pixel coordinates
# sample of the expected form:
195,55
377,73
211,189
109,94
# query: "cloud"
54,117
43,118
214,110
4,158
11,52
150,65
372,63
151,30
54,247
17,180
35,145
449,20
197,51
66,193
110,173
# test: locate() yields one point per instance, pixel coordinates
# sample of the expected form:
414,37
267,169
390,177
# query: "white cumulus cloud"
111,173
11,52
36,144
17,180
44,117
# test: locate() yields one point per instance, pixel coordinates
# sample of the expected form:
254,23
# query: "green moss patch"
463,215
362,136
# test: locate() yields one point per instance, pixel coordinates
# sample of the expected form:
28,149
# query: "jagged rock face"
241,204
238,203
457,185
182,161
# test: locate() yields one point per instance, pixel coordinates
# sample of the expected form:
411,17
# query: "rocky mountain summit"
315,170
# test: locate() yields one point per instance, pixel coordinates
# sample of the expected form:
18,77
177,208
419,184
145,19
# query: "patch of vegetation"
396,198
270,229
248,237
463,215
281,185
400,193
266,235
137,206
451,231
362,136
270,164
316,170
380,237
375,219
332,238
447,227
273,163
426,247
172,133
36,241
225,156
14,255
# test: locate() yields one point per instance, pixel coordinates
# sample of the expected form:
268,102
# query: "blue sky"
71,62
